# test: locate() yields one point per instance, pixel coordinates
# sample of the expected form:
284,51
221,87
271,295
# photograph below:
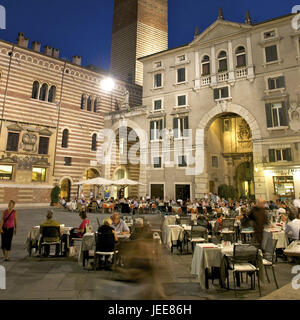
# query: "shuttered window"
180,127
276,115
276,83
94,142
43,145
182,161
156,128
221,93
157,162
65,138
276,155
181,100
158,104
12,141
181,75
157,80
271,53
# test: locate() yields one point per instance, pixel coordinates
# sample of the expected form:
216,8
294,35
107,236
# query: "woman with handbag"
8,227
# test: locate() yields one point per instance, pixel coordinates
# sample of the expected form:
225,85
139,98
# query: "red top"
82,227
10,222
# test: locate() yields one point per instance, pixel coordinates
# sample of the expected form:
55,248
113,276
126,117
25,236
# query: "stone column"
230,61
250,59
213,66
197,70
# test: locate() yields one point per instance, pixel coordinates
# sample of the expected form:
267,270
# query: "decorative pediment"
14,127
8,160
43,162
45,132
220,29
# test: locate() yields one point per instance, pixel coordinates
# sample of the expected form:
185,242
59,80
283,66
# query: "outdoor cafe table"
172,233
208,255
275,232
88,243
33,236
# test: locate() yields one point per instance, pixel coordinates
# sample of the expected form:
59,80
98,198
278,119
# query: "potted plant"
55,193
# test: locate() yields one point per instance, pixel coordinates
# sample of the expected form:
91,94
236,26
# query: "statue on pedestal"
125,102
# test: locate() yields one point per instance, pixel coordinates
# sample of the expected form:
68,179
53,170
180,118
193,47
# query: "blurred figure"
259,218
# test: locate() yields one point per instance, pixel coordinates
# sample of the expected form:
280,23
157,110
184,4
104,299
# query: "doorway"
65,189
157,191
183,192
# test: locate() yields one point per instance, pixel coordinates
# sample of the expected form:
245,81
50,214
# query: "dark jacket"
105,239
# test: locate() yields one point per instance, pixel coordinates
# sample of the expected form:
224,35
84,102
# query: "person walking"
8,227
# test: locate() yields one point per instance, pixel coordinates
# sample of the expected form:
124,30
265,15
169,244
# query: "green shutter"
283,115
287,154
280,82
269,115
271,84
175,127
216,94
151,130
186,126
271,155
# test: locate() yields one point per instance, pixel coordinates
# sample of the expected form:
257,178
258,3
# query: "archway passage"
229,156
66,189
120,192
88,191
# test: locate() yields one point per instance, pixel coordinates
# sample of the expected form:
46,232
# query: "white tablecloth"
172,233
281,236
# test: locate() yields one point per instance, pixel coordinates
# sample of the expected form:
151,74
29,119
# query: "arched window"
94,142
35,90
222,57
205,66
89,104
95,104
52,94
44,92
240,57
82,102
65,138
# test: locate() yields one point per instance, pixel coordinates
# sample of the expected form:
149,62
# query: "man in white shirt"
292,228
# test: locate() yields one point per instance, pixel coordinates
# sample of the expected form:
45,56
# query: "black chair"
227,231
125,208
185,220
105,247
50,232
244,260
269,258
198,234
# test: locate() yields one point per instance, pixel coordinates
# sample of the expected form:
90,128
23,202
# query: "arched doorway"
90,173
215,165
65,189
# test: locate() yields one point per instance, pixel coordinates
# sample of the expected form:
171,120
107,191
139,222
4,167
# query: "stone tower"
140,28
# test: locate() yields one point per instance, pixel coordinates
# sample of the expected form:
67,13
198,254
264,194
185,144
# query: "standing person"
8,227
259,217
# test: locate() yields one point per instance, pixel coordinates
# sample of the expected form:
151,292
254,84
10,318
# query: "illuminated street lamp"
108,84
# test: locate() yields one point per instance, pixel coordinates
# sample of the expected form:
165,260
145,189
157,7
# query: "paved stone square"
62,278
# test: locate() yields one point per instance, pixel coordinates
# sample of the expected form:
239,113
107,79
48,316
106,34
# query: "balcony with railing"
241,73
223,76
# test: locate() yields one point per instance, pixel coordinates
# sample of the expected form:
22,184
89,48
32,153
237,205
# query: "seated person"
76,232
292,228
50,222
63,202
106,237
203,221
92,203
119,225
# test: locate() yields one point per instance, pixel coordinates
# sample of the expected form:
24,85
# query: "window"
39,174
44,92
68,161
205,66
276,83
276,115
157,162
269,34
280,155
52,94
6,172
65,138
157,80
180,127
182,162
181,75
94,142
35,90
181,101
214,162
158,104
240,57
221,93
271,53
12,141
82,102
156,128
89,104
43,145
222,58
95,104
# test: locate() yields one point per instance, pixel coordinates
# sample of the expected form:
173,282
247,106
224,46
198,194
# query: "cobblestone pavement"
62,278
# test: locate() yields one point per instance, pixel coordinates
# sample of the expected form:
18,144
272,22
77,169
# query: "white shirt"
292,229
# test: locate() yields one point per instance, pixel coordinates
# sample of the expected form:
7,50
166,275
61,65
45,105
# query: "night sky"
84,27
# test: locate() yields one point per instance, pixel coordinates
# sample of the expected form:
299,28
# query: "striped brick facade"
22,114
140,28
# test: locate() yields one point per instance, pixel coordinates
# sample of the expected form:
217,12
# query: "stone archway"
201,178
